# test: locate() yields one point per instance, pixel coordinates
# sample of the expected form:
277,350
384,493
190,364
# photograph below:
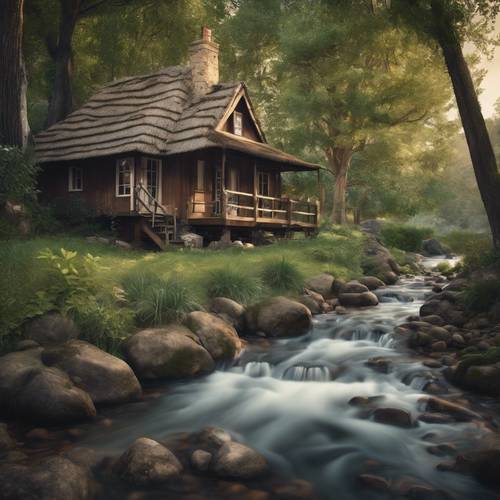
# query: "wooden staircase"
156,223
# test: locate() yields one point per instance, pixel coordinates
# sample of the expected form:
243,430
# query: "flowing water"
289,399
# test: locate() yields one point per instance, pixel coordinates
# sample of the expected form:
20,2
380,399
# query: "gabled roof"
154,115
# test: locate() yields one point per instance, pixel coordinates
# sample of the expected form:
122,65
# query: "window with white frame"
237,123
200,175
123,177
75,179
264,183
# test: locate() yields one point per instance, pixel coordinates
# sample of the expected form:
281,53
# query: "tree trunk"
476,133
61,99
14,128
342,162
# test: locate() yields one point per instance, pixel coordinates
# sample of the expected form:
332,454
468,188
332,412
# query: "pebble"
374,482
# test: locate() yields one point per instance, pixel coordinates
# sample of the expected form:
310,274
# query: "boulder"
363,299
279,317
433,247
200,460
192,240
54,478
483,379
148,462
311,304
237,461
219,338
393,416
173,352
482,464
30,390
371,282
322,284
107,379
389,277
354,287
378,261
213,438
51,329
230,311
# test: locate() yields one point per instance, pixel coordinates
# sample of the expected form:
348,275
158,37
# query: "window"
200,175
123,177
233,179
152,176
75,179
237,123
263,183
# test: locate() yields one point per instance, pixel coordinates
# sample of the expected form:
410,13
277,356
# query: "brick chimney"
204,62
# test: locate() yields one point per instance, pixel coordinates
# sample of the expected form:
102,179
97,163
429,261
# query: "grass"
405,237
198,275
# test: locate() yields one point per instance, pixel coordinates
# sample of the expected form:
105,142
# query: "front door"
151,180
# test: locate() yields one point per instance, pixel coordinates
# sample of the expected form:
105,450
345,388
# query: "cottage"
175,148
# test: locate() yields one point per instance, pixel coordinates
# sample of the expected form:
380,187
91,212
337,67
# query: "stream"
289,399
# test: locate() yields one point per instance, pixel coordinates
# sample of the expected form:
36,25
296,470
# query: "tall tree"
450,23
14,128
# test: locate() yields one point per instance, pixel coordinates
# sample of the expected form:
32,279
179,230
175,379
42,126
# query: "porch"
237,208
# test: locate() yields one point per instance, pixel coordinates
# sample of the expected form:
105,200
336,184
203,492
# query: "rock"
390,278
482,464
6,441
434,319
483,379
457,285
50,329
457,339
108,379
39,434
248,245
387,295
237,461
322,284
237,244
297,489
230,311
55,478
311,304
393,416
371,282
433,247
341,310
439,346
354,287
436,418
219,338
458,412
374,482
24,345
279,317
200,460
379,364
192,240
86,457
173,352
363,299
148,462
123,245
30,390
213,438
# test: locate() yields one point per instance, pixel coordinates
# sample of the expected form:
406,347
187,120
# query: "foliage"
71,211
466,242
282,275
405,237
157,301
17,175
482,295
444,267
233,284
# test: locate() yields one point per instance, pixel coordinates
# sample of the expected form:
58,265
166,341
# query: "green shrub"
17,175
444,267
482,295
405,237
71,211
157,301
233,284
283,276
467,242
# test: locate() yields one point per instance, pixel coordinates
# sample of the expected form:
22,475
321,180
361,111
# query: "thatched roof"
154,115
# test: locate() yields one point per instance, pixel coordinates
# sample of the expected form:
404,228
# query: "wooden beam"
255,189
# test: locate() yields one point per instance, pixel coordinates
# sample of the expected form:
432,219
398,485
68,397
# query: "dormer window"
237,123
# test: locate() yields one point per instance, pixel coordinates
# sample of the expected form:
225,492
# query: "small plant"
233,284
281,275
405,237
444,267
157,301
482,295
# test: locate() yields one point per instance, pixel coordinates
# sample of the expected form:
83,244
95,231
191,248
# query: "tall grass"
405,237
282,276
234,284
157,301
482,295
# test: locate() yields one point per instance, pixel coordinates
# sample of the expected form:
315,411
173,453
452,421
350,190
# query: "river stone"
482,464
51,329
148,462
393,416
54,478
30,390
433,247
213,438
200,460
219,338
483,379
279,317
237,461
354,287
311,304
230,311
373,482
439,346
107,379
371,282
390,278
434,319
322,284
459,413
363,299
173,352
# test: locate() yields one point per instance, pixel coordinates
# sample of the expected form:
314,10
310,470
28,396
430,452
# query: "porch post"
255,191
223,182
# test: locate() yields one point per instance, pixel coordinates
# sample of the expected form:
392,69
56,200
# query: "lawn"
23,275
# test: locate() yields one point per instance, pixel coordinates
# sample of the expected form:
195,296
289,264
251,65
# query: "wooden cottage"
170,149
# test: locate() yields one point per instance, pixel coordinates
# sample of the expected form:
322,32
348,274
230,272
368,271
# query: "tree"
14,128
449,23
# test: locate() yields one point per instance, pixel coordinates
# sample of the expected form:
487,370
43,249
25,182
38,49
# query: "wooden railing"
238,205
